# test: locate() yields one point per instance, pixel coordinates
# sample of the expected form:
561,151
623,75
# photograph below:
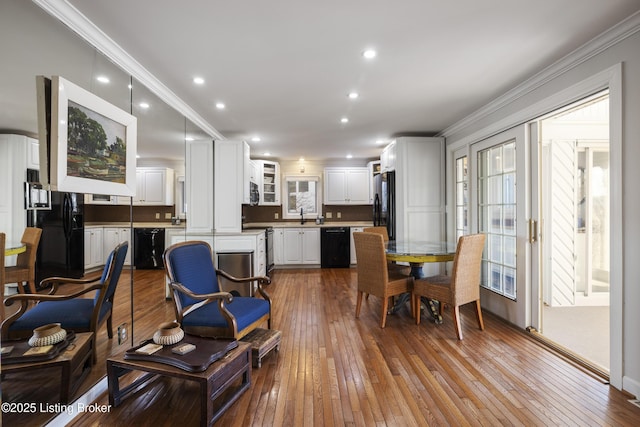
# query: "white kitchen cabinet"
229,194
33,154
199,186
352,244
154,186
112,237
388,158
269,173
278,246
347,186
420,190
301,245
13,165
93,247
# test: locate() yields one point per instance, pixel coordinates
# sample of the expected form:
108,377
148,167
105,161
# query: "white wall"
624,50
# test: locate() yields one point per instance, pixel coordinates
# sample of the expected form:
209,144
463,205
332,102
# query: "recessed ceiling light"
144,105
198,80
220,106
188,138
349,156
369,53
266,154
103,79
344,120
255,139
353,95
137,156
380,141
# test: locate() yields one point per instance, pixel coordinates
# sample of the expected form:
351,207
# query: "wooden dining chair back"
374,276
462,287
25,269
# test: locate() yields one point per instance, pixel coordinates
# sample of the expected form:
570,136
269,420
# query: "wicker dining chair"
382,230
462,287
374,277
24,272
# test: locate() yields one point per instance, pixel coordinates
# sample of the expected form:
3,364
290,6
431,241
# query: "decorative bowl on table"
169,333
47,335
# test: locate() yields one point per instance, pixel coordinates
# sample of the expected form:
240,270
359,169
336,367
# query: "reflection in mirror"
33,43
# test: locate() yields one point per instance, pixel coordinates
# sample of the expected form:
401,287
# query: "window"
462,197
302,193
497,217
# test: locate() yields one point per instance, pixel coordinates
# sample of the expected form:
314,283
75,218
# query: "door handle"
533,231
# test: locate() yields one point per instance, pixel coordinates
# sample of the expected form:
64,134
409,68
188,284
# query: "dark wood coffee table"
213,381
74,361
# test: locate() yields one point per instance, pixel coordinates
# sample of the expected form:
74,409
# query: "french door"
499,208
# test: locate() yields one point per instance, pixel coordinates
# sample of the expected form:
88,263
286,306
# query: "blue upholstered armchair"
201,306
72,311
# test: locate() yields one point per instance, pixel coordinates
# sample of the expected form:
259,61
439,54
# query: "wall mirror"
34,43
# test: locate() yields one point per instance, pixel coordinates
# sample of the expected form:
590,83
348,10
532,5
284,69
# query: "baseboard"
631,386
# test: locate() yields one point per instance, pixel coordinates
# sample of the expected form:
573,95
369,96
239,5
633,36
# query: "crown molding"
63,11
600,43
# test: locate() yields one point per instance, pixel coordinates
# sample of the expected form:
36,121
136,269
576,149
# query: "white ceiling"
284,67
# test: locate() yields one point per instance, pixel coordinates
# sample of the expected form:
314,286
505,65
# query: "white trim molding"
88,31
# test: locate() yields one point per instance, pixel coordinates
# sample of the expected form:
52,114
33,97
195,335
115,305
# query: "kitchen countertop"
307,223
136,224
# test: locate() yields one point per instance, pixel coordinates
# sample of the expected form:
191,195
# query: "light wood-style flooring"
335,370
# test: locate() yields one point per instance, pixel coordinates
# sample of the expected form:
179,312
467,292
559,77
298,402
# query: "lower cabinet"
112,237
93,247
353,246
301,245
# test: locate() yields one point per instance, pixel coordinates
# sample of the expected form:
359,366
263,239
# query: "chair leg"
359,303
456,321
385,307
415,301
479,315
110,326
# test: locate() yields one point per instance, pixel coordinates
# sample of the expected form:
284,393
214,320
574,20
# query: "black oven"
269,249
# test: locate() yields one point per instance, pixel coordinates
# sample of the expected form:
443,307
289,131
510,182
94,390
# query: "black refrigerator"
384,202
61,248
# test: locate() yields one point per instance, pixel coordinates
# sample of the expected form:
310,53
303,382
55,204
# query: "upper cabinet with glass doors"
269,174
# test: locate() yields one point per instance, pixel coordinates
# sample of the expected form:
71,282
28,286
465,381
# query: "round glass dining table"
416,253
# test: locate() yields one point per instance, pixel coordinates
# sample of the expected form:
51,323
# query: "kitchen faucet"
301,216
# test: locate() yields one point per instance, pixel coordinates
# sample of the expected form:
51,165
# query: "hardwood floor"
333,369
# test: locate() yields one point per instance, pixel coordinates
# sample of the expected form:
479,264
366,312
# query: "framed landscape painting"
93,143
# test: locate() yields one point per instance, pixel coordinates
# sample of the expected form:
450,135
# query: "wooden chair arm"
55,282
219,297
260,279
42,297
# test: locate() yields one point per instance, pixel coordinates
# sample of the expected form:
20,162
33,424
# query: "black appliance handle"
377,210
67,216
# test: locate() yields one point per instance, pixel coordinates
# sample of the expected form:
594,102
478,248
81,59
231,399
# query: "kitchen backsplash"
120,213
347,213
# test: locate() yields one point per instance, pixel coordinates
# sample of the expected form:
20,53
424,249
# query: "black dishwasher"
335,250
148,246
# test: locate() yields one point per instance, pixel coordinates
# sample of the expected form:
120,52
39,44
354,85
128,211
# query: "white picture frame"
93,143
